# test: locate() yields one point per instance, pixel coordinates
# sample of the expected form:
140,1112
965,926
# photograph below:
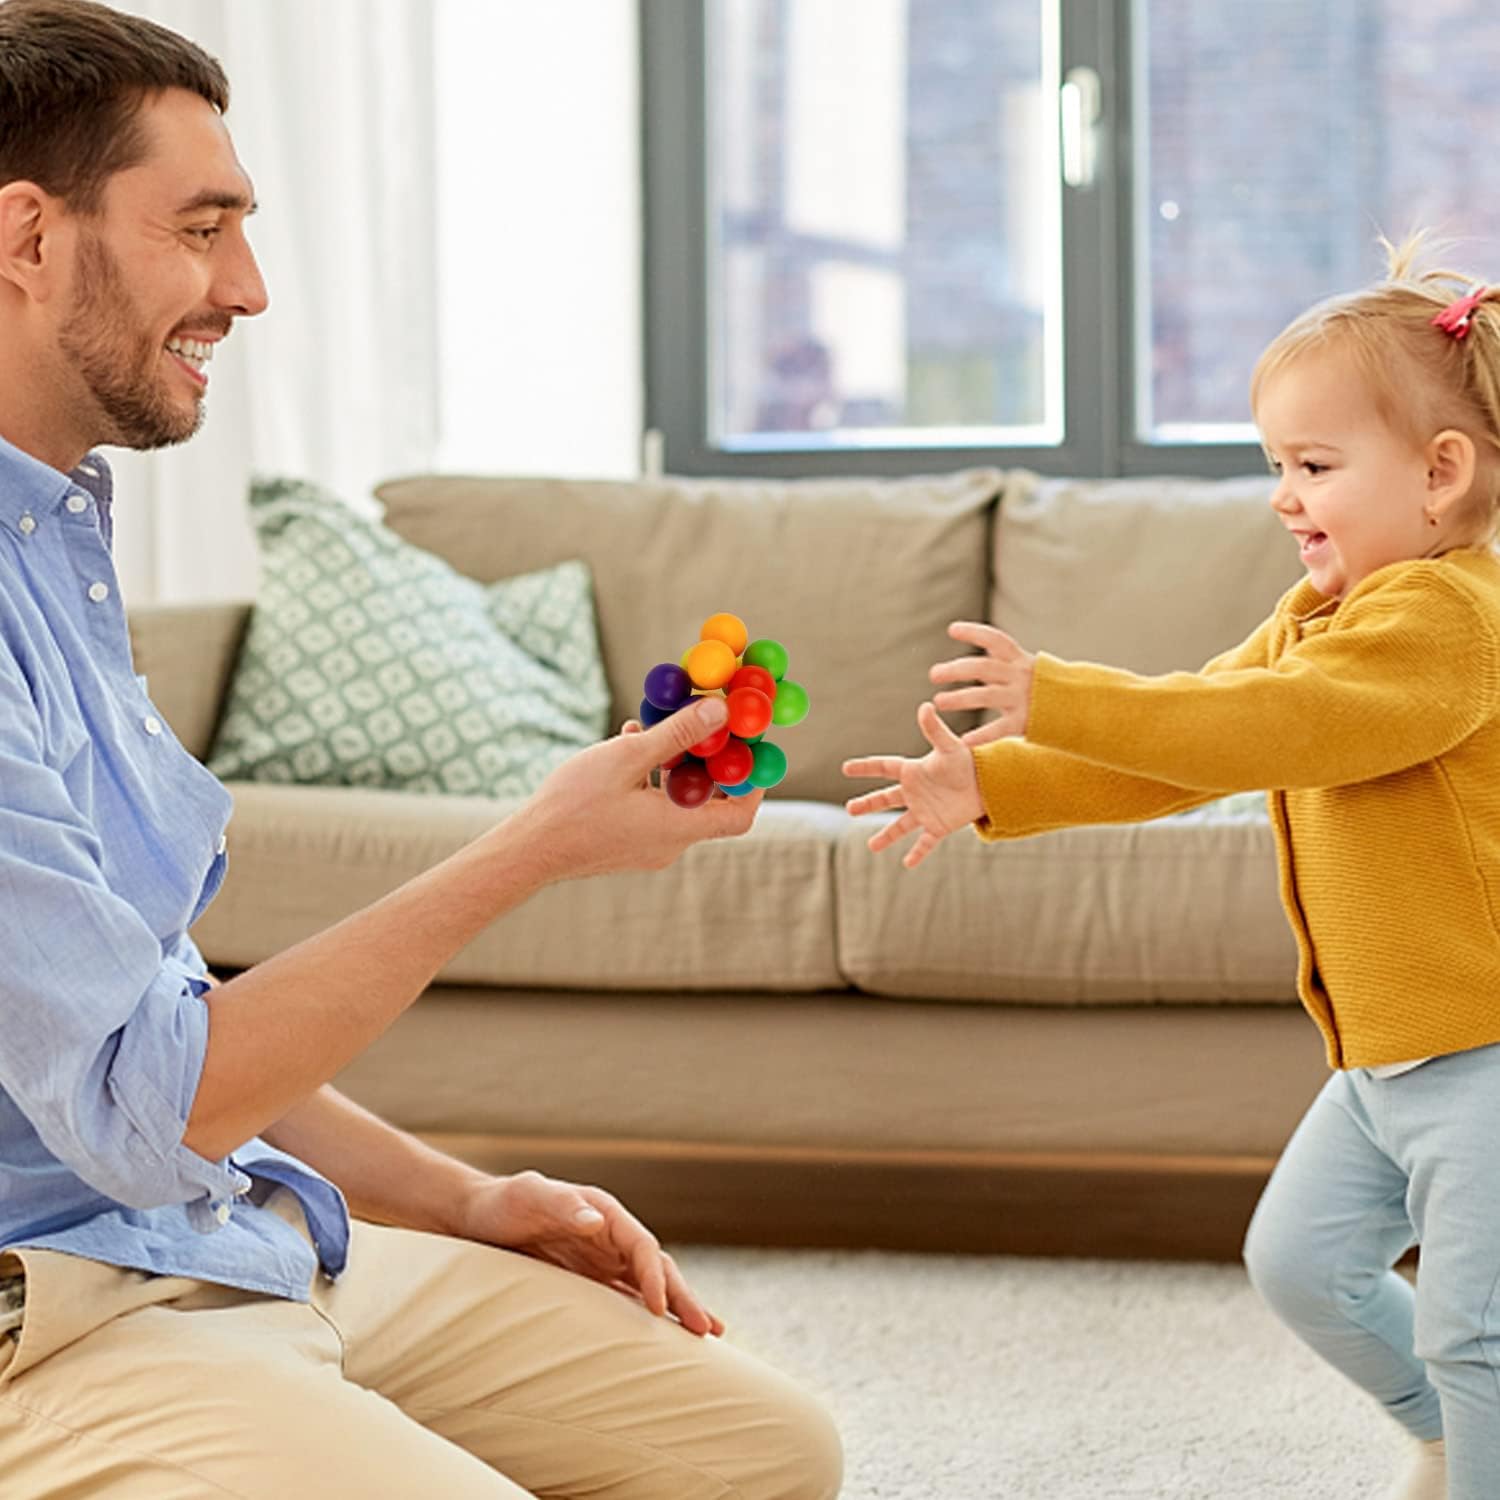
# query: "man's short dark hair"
74,75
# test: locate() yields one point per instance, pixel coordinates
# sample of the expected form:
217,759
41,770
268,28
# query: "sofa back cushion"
1156,575
858,578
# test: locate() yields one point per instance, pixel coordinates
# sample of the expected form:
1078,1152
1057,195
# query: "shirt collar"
28,486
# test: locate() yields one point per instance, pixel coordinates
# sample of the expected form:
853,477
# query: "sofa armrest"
187,653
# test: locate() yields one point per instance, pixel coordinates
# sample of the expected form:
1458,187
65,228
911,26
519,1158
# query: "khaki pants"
432,1367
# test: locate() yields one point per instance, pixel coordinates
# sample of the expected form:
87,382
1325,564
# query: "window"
882,207
888,235
1279,139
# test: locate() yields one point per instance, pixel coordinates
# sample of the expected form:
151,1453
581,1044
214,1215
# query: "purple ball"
668,686
651,714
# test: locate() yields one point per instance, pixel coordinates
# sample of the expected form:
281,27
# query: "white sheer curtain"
332,113
539,243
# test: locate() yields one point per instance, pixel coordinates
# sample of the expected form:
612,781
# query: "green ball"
768,654
790,704
770,764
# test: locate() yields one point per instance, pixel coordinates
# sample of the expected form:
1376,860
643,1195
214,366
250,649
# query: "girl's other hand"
1003,674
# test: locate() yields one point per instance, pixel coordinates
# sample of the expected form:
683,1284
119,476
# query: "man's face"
158,277
115,352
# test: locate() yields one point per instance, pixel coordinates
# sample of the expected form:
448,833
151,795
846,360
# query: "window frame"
1098,279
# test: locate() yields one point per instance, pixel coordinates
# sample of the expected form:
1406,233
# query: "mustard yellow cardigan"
1375,724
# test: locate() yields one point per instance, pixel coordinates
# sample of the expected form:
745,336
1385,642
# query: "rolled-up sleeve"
102,1032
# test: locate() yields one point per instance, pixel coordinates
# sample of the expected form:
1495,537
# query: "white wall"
539,237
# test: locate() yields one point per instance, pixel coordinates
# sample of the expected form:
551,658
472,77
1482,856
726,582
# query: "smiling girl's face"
1352,489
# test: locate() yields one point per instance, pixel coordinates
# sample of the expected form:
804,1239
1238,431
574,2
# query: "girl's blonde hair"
1423,379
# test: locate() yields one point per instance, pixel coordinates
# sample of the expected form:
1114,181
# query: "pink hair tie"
1457,317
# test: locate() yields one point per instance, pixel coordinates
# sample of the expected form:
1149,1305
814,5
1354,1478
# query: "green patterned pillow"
369,662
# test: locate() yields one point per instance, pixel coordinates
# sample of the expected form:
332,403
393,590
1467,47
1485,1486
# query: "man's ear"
29,219
1450,470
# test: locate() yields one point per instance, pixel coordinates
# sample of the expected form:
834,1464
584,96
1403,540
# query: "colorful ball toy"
751,676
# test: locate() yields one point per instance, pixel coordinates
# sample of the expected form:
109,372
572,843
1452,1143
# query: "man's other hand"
587,1231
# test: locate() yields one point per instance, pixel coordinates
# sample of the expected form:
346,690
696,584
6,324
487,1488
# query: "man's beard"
119,364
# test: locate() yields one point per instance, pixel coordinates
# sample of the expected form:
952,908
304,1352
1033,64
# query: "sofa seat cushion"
845,1071
746,914
1181,909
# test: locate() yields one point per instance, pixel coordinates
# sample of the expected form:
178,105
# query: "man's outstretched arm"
281,1030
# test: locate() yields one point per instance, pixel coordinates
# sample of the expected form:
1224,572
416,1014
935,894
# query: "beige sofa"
1085,1042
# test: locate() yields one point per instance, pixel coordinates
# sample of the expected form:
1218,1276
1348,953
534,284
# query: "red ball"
690,785
676,760
750,712
732,764
711,744
753,677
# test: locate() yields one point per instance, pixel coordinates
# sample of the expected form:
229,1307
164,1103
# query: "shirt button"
98,592
77,504
151,724
223,844
27,523
221,1213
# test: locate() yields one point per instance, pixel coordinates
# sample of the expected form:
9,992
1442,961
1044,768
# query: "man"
186,1308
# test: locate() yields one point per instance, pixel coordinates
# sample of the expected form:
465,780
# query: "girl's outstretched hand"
1003,673
939,790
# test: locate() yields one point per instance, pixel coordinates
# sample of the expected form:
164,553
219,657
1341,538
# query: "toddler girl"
1368,705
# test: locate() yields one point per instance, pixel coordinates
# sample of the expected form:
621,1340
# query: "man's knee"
820,1467
803,1454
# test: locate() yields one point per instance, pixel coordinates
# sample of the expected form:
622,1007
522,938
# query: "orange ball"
710,664
727,628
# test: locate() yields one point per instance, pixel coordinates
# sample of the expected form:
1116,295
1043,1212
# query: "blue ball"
742,790
651,714
668,686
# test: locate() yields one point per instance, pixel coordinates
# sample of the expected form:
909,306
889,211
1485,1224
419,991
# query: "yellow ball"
710,664
727,628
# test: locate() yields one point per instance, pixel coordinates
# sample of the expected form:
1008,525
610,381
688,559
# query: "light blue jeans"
1379,1165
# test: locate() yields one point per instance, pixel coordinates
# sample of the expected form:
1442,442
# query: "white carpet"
964,1378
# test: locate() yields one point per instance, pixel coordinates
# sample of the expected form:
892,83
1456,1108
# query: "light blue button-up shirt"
111,845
